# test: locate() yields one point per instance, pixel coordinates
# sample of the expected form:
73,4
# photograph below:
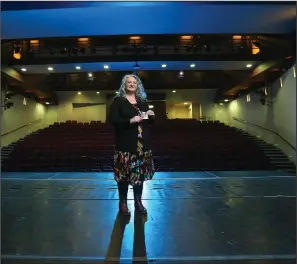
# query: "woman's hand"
135,119
150,113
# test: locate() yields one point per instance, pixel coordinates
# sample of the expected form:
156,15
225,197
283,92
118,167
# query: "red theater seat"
179,145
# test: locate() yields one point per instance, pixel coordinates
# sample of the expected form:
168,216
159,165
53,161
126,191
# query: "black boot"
139,208
123,193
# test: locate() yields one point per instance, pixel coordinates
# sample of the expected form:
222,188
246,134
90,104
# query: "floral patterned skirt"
133,168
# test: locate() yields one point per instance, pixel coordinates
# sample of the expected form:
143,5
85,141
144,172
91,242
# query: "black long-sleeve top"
120,113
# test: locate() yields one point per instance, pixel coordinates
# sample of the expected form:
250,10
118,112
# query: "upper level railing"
147,46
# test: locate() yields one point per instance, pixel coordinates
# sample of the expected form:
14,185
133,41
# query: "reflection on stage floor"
204,217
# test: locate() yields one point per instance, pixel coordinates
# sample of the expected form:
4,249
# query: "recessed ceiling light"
23,69
106,67
79,93
174,91
47,103
98,93
226,100
192,65
78,67
181,73
164,65
90,74
50,68
249,65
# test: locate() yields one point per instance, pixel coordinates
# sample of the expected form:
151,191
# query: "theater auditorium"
220,78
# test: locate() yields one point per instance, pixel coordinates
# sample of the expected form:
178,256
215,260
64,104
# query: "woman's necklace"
137,109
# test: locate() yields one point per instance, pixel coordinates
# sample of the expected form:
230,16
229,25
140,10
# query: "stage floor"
197,217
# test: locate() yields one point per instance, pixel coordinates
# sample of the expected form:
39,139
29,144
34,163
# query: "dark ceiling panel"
152,80
31,5
152,18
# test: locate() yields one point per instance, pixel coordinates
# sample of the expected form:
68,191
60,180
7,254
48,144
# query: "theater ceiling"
198,46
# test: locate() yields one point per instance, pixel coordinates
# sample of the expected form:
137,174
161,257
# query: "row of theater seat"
179,145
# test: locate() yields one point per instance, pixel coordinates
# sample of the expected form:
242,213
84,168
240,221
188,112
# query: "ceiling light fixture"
281,81
98,93
248,98
47,103
174,91
249,65
136,67
23,69
78,67
192,65
106,67
50,68
164,65
226,100
90,75
181,75
79,93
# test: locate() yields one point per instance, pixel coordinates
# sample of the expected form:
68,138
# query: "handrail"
273,132
31,123
207,118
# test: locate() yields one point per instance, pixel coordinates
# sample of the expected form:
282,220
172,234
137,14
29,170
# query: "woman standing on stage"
133,160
